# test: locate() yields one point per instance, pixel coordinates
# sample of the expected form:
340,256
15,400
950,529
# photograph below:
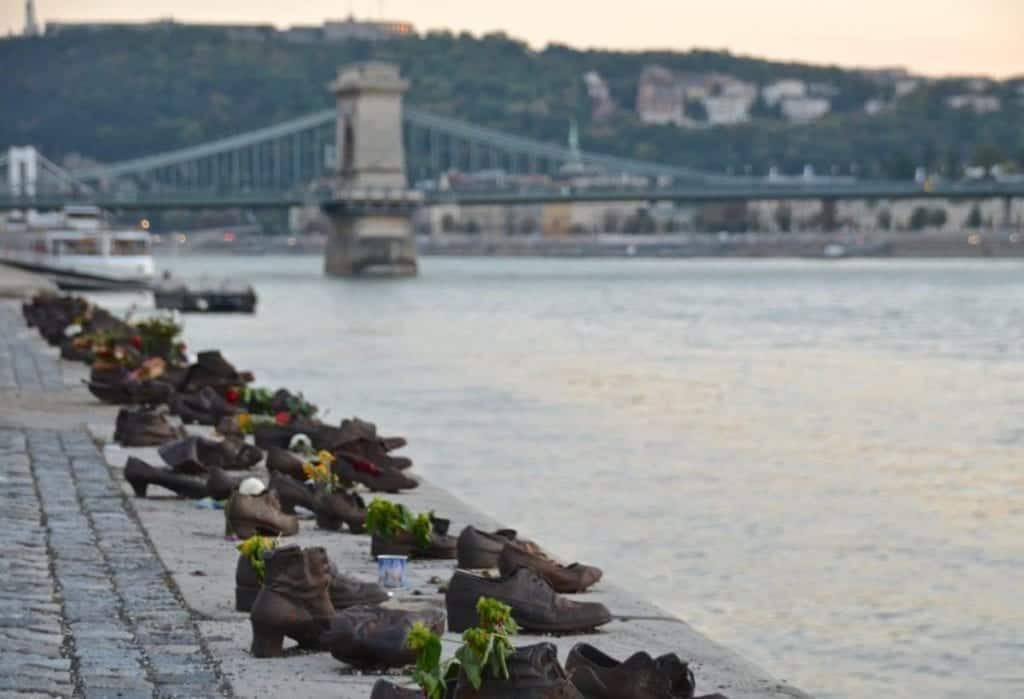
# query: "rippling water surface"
820,464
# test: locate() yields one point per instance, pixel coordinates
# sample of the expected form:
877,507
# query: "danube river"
820,464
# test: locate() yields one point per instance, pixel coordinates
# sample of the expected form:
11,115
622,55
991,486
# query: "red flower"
136,342
283,417
365,467
232,395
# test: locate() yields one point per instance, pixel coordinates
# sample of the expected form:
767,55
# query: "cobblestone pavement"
22,364
87,607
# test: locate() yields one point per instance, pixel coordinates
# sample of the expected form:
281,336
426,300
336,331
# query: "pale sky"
934,37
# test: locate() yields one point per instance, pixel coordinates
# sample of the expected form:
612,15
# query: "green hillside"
126,92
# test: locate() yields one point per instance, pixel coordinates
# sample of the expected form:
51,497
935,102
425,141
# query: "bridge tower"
370,212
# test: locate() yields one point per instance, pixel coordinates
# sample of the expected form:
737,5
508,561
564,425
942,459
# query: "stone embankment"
106,595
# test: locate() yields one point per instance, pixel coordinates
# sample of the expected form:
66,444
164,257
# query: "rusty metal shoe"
479,549
144,428
565,579
286,462
368,429
374,637
198,454
205,407
344,590
220,485
599,676
534,673
355,469
405,544
337,508
293,602
535,606
290,492
132,392
268,436
212,370
141,475
249,515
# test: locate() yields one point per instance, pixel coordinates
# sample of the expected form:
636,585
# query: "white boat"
77,250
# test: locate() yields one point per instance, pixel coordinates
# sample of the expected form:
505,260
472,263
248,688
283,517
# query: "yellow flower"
254,544
325,457
244,421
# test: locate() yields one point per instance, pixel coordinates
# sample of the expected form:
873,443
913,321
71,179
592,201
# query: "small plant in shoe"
429,673
387,519
318,470
253,548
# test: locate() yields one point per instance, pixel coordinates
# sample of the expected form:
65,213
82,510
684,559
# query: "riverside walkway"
107,595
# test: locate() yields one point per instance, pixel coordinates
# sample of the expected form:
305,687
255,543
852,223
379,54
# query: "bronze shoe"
374,637
337,508
599,676
220,485
479,549
535,606
199,454
344,590
565,579
534,673
293,602
249,515
141,475
144,428
285,462
290,492
355,469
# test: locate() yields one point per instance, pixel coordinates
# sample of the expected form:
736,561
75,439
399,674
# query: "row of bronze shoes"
298,593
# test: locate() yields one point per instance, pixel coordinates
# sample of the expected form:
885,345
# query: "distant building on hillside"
775,92
351,28
602,106
659,99
805,108
981,104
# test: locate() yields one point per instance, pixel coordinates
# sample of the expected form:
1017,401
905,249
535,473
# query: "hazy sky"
935,37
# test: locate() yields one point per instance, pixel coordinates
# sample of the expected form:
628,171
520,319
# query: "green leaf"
471,665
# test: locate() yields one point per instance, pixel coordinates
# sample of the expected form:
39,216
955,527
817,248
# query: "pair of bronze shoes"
344,590
348,468
296,602
214,483
331,508
479,550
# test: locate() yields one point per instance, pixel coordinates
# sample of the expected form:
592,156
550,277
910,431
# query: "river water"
819,464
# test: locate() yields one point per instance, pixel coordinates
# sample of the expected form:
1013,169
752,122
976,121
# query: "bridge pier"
370,210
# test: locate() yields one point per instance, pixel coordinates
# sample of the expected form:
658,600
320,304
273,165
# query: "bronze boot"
293,602
249,515
334,509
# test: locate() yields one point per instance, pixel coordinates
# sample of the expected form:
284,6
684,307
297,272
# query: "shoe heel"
245,597
139,487
266,643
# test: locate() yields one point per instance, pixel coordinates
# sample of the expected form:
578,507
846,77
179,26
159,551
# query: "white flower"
301,443
72,330
252,486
